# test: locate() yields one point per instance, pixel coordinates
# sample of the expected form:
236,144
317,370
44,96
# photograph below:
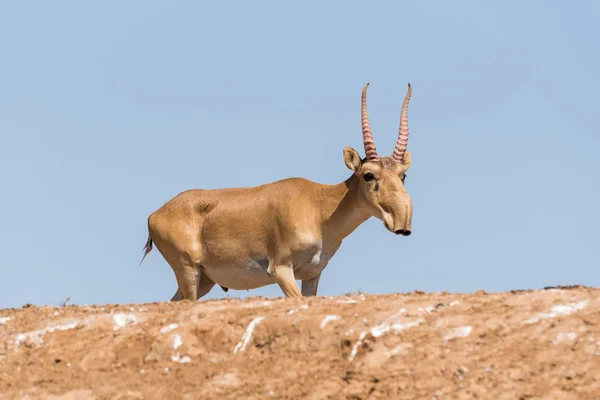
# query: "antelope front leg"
284,275
309,287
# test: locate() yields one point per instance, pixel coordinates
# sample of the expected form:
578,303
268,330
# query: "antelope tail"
147,249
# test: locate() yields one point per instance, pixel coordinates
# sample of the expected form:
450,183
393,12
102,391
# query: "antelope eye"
403,179
368,176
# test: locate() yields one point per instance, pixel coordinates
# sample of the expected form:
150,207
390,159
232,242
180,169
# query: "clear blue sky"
109,109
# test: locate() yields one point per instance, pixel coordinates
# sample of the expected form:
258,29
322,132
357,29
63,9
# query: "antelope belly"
250,274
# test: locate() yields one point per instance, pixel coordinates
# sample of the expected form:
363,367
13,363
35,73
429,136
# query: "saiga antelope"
246,238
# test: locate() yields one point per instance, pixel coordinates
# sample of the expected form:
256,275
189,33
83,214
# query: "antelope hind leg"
205,284
187,276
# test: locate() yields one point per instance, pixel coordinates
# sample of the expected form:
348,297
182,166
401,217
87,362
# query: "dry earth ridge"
532,344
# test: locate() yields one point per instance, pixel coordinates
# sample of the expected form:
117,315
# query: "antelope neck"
343,209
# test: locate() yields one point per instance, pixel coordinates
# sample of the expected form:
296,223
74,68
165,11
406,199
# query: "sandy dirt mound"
542,344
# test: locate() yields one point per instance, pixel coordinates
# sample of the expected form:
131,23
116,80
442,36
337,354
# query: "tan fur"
245,238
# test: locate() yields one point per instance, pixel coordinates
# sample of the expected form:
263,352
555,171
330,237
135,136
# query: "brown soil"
542,344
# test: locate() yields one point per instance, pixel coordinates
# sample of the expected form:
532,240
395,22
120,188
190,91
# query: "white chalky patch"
122,320
382,329
177,358
4,320
329,318
177,342
361,337
168,328
560,309
37,337
428,309
64,327
347,301
459,332
241,346
295,310
562,336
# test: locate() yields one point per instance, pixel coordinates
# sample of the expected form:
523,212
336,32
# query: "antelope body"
245,238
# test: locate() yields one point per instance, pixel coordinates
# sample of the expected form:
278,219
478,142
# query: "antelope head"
381,179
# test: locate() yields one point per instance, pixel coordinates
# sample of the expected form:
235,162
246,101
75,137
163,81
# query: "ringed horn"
369,143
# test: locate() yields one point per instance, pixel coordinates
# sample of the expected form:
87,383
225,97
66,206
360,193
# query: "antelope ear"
406,161
352,159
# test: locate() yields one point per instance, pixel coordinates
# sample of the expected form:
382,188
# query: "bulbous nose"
398,219
403,226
